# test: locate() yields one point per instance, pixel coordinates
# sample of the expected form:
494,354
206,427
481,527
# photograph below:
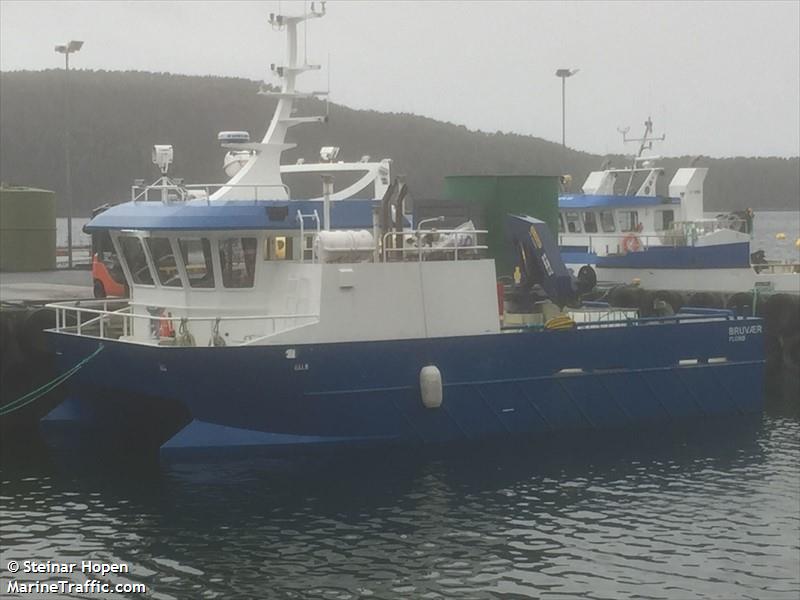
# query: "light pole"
66,50
564,73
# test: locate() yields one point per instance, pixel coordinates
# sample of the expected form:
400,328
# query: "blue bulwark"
259,214
721,256
577,257
579,201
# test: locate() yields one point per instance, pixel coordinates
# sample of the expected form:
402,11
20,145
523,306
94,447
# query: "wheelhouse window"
196,254
607,221
560,223
573,222
589,222
103,249
237,257
279,247
628,220
133,252
664,219
164,261
102,246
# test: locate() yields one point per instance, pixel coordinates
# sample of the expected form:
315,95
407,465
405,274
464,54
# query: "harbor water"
712,511
768,225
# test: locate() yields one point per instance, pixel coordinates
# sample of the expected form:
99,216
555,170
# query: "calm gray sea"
707,512
768,225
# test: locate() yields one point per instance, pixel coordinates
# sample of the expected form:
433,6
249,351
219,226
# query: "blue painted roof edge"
611,201
242,215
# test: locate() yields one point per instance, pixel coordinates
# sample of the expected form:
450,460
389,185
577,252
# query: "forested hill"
118,116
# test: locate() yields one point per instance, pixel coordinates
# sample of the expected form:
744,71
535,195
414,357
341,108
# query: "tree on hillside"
118,116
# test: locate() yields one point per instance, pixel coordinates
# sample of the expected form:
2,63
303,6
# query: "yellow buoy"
780,236
797,243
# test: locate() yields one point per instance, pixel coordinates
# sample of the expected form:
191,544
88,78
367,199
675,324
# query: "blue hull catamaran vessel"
620,230
259,320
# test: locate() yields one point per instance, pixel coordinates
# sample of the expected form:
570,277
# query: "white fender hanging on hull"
430,385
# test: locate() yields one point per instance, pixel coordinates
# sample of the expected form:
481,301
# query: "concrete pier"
45,286
26,362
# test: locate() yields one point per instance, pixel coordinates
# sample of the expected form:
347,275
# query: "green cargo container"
27,229
499,195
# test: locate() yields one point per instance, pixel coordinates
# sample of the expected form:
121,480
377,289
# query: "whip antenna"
328,93
305,33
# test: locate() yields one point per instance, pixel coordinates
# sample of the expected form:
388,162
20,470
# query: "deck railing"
181,192
686,315
682,233
95,318
774,267
612,243
435,244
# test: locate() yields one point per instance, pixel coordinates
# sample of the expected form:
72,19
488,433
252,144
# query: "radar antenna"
646,139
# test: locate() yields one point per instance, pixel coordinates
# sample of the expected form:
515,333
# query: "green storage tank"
499,195
27,229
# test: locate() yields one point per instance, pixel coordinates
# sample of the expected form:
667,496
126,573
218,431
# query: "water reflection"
709,511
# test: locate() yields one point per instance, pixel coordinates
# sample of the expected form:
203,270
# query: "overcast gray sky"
719,78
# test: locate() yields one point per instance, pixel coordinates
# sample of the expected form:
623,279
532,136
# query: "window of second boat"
664,219
573,219
628,220
607,221
589,221
237,259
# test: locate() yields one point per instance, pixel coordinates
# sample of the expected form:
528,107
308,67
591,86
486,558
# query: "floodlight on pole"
66,50
563,74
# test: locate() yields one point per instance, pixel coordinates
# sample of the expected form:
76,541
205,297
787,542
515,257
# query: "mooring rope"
19,403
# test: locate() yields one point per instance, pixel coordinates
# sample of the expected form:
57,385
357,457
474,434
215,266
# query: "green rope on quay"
19,403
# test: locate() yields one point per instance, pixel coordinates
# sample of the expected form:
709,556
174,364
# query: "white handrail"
183,189
419,250
255,186
58,306
62,309
591,239
681,233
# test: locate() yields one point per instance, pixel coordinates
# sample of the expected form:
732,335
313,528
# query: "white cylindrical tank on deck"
430,385
345,246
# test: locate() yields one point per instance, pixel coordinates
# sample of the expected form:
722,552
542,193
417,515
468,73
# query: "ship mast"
260,177
645,143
